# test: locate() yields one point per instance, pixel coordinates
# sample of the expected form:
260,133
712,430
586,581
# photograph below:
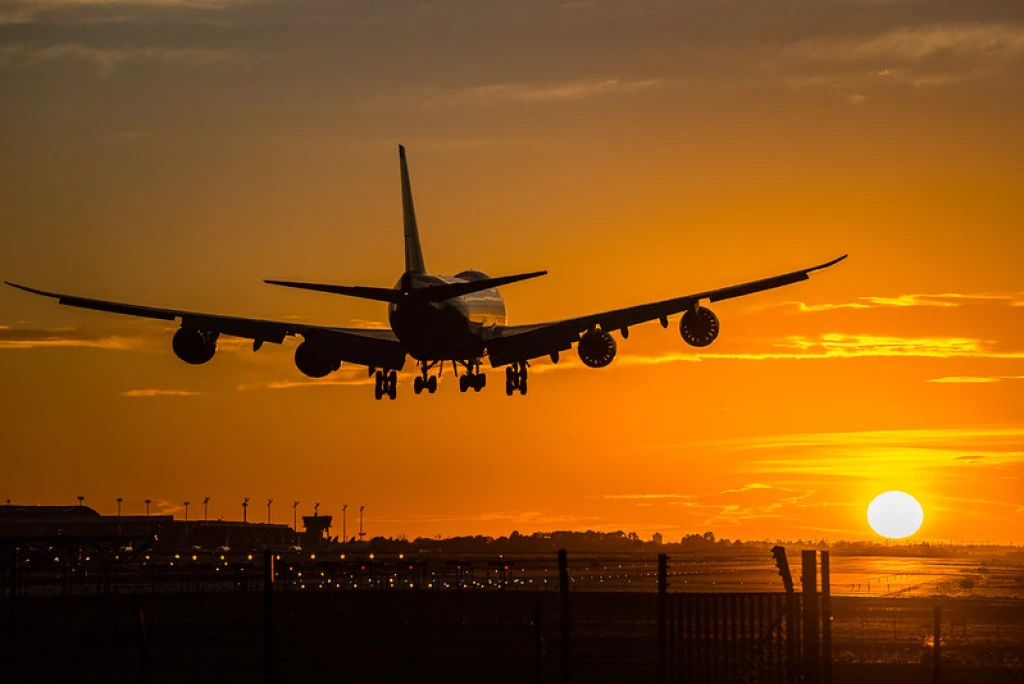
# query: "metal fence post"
662,610
826,620
268,616
809,583
937,646
563,589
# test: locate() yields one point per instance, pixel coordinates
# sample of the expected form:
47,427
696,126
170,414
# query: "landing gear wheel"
522,384
509,388
378,386
432,384
479,382
417,385
392,384
463,383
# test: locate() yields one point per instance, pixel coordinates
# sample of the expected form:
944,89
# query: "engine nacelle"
313,362
194,346
596,348
699,328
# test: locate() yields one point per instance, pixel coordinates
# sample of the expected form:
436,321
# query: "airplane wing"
521,343
369,347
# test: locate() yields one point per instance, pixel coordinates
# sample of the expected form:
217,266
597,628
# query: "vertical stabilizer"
413,251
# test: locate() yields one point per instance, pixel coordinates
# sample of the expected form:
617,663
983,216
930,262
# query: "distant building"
658,539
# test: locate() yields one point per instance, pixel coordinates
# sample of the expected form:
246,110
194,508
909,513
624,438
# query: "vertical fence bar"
143,654
15,584
563,588
538,645
809,584
268,616
662,614
691,636
826,619
937,646
792,638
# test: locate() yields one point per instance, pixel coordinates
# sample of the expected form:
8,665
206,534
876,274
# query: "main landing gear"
515,378
386,384
472,378
425,382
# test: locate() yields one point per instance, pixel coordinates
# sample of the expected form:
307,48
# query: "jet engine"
313,362
699,328
194,346
596,348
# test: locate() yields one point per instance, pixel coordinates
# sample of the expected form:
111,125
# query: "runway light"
371,556
312,556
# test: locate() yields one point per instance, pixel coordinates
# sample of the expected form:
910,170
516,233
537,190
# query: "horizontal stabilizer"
380,294
439,293
428,293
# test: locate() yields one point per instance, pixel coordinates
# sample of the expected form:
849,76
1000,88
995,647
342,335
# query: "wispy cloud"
486,95
23,55
159,393
975,379
644,497
25,338
939,300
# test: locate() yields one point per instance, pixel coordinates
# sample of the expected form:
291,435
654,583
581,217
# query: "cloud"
925,56
975,379
642,497
519,93
26,338
23,55
97,11
159,393
940,300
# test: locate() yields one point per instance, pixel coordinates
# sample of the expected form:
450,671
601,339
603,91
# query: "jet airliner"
435,319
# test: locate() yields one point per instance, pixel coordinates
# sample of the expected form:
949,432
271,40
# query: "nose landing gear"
386,383
515,378
425,381
473,377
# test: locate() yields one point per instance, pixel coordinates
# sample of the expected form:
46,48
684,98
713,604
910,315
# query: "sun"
895,515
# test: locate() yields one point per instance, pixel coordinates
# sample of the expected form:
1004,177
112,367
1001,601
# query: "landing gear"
515,378
473,377
424,381
386,384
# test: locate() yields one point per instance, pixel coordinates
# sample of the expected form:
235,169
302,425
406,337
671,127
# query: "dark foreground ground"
453,636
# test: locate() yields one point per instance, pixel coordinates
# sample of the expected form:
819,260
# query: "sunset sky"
177,152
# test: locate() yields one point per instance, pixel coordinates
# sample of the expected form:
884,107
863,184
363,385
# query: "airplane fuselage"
454,329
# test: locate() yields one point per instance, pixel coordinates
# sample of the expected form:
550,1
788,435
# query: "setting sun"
895,515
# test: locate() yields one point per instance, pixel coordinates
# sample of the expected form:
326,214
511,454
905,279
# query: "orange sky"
177,153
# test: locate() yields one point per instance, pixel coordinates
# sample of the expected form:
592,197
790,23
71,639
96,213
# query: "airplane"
459,319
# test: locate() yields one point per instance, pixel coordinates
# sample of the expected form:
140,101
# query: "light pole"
119,500
206,508
80,500
245,509
269,503
186,512
148,501
295,516
361,533
344,524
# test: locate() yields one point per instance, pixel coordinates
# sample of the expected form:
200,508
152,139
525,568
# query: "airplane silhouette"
459,319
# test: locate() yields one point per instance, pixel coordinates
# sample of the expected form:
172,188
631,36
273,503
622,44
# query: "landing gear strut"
515,377
386,384
473,377
425,381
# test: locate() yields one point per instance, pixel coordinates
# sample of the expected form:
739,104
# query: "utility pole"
206,508
344,525
361,533
270,502
245,509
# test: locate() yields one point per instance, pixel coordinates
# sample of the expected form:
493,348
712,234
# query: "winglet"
827,264
33,290
413,251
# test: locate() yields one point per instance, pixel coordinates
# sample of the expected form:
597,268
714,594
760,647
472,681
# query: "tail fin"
413,251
